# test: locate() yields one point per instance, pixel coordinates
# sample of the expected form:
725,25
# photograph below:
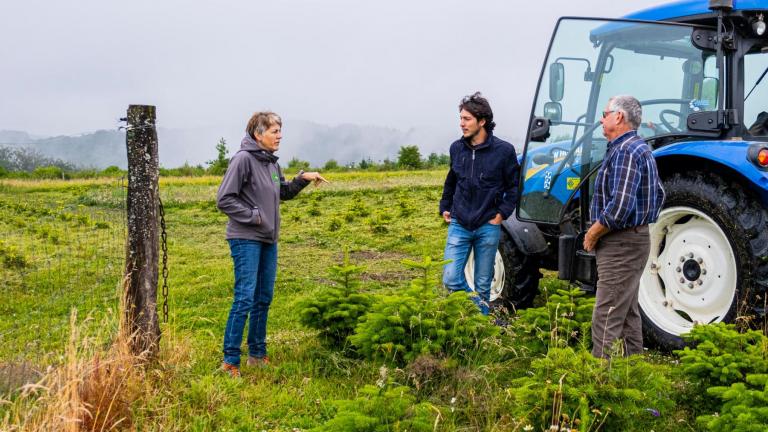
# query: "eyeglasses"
606,113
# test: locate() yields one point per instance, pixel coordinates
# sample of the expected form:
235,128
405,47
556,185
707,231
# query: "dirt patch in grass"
367,255
387,276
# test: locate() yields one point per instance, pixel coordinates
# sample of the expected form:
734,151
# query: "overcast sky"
73,67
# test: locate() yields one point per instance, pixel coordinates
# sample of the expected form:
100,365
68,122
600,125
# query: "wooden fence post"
141,259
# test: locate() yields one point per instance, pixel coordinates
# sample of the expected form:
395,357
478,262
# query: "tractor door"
588,62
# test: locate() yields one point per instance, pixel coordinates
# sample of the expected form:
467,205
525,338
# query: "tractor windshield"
589,61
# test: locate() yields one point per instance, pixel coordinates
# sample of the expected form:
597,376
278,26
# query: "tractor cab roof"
694,11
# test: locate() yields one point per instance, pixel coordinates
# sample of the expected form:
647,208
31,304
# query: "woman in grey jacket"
250,195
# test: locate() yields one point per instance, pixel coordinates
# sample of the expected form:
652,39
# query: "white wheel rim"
670,294
497,284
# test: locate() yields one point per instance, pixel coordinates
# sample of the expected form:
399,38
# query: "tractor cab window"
689,84
589,61
756,93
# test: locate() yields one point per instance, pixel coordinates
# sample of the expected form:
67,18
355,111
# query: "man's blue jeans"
255,272
485,241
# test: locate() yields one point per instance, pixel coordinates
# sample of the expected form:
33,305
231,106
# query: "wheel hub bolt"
699,260
690,254
653,265
700,282
682,259
690,284
703,271
682,280
678,269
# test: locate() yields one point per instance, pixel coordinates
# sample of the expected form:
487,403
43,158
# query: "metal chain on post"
164,247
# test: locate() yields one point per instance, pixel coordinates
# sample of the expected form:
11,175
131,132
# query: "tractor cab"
589,61
698,70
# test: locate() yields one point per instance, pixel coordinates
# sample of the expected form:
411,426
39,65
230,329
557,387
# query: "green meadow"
62,251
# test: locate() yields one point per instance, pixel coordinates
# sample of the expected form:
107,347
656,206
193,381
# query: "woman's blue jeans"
485,242
255,272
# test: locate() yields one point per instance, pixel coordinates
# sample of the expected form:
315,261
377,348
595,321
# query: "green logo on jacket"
275,178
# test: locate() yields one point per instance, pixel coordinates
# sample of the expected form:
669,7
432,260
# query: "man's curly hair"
480,109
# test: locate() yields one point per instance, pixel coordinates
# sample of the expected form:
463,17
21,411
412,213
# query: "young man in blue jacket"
480,191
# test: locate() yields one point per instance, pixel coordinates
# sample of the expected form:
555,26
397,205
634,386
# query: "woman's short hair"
261,121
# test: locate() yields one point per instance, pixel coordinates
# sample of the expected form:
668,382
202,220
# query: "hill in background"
305,140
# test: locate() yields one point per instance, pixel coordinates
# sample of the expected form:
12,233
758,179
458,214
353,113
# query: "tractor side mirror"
553,111
556,81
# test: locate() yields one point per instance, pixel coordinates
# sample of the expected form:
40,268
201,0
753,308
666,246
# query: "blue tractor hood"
684,12
681,10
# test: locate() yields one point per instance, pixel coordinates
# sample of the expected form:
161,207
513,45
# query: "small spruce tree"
219,165
336,310
421,320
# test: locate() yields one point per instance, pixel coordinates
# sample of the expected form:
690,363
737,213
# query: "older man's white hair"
629,106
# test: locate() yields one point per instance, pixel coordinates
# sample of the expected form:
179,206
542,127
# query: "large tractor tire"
515,279
708,260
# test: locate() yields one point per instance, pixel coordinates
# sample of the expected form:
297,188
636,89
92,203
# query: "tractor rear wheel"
708,260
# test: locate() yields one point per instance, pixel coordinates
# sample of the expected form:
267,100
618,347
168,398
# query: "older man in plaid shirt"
628,196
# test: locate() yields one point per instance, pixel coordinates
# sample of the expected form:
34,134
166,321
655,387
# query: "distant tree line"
25,159
408,157
28,163
21,162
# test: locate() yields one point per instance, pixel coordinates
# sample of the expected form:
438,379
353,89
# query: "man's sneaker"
258,361
231,370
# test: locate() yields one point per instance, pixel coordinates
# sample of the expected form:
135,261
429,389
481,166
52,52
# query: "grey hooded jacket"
251,191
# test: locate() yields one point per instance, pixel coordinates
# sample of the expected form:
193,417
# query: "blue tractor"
699,68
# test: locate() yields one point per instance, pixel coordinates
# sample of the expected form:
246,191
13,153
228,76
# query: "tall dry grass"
93,390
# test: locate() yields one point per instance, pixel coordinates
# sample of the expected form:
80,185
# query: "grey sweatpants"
621,258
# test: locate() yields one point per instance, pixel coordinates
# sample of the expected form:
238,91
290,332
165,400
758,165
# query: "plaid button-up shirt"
628,191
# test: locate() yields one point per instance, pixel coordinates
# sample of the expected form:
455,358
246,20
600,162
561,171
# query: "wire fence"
62,246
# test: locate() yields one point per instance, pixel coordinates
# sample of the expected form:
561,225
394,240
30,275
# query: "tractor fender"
527,236
715,156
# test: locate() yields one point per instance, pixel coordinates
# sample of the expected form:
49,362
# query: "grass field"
62,248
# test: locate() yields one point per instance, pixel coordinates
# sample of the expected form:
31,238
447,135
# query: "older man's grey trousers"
621,258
